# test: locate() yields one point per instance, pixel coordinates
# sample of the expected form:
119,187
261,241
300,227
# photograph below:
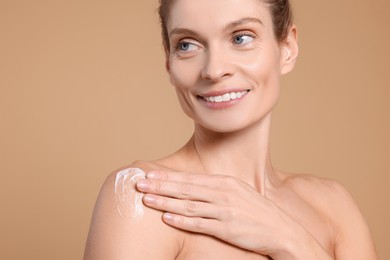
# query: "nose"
217,65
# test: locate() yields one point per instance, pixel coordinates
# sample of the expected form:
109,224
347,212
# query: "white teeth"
225,97
218,99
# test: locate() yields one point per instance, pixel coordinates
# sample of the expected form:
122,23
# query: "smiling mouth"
225,97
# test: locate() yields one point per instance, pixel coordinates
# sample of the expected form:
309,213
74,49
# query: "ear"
289,51
168,66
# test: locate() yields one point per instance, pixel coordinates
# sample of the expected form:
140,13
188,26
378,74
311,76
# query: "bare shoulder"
328,195
320,191
352,236
122,228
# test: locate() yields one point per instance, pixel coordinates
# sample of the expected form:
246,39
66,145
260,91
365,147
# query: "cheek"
183,74
262,70
263,73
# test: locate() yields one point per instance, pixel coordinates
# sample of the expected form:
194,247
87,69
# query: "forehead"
216,13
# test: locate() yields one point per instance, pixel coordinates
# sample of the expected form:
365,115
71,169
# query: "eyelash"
180,44
234,36
241,34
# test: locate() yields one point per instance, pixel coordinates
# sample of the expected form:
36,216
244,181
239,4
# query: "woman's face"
224,61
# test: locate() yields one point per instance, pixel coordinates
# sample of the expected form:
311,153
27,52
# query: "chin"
229,120
224,125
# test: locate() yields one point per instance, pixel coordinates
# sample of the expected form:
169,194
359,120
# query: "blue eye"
183,46
242,39
186,46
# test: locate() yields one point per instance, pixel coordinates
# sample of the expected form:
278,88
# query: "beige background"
83,91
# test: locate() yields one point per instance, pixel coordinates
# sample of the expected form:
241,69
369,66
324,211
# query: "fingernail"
142,184
168,217
149,199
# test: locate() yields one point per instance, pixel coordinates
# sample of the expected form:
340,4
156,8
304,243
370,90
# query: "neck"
243,154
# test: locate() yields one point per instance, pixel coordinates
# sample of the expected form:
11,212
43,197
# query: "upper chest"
198,246
201,247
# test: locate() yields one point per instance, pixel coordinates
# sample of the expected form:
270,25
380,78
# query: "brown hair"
281,12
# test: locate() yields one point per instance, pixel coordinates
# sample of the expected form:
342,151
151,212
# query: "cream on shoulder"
128,199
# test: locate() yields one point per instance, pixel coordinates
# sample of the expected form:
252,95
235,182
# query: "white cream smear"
128,199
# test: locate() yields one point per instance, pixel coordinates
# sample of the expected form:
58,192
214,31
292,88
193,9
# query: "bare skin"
219,196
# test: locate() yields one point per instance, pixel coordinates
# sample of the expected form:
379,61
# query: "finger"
194,224
182,207
213,181
185,177
177,190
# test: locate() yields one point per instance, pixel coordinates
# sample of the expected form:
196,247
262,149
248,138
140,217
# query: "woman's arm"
352,235
117,235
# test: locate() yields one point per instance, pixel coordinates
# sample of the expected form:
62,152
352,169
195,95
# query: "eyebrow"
228,27
242,21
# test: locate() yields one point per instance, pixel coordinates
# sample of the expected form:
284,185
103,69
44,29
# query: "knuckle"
185,190
164,176
198,223
191,207
157,186
234,213
162,202
189,178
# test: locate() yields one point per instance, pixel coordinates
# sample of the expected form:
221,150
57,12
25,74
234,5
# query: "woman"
219,196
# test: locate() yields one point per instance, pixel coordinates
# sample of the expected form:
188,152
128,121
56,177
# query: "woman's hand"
224,207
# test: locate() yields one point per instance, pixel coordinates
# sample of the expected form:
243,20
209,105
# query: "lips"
225,97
